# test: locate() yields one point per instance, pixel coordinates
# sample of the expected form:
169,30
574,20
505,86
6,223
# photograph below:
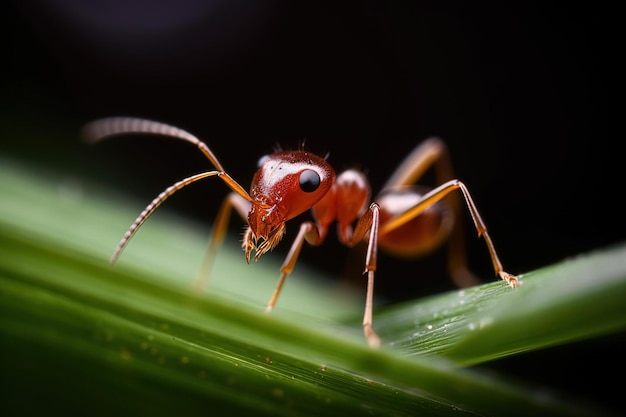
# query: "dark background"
523,95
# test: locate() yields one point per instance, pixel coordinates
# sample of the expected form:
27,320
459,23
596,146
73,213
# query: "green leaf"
577,299
83,337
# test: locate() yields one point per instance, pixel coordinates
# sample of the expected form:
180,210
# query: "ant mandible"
405,219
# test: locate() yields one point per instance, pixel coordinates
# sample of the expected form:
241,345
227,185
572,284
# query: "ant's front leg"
220,227
309,232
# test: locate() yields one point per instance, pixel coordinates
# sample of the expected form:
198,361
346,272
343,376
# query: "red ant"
405,220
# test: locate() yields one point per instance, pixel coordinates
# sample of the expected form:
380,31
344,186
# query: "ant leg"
434,152
431,152
220,227
436,195
369,221
309,232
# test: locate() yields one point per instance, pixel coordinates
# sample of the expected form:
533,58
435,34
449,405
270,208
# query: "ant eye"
262,160
309,180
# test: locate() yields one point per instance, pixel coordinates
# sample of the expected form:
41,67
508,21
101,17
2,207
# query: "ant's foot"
509,279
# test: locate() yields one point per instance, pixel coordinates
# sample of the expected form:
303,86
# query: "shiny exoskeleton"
405,219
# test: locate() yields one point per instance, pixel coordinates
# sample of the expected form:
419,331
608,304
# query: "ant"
405,219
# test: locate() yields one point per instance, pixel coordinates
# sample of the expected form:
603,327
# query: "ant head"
286,184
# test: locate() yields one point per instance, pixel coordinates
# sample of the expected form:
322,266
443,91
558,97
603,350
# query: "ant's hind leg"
438,194
434,153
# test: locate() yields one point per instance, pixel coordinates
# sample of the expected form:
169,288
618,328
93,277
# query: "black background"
523,94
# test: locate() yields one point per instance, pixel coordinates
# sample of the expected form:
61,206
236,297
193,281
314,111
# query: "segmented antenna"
153,206
113,126
104,128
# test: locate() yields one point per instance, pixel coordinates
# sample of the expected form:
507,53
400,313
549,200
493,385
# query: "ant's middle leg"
369,221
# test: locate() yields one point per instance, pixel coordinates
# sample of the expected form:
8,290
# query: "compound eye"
309,180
